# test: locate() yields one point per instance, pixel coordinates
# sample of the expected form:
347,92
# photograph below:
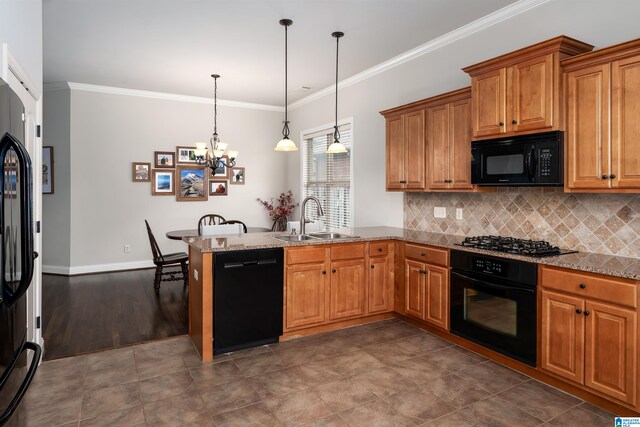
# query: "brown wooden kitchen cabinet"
589,331
427,284
602,130
381,276
519,92
348,289
406,151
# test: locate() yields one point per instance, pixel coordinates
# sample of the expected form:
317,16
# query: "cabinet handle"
582,286
604,177
578,311
324,272
587,312
403,182
514,122
333,271
612,176
501,123
379,249
373,266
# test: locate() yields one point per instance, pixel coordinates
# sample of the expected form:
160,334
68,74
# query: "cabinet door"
611,350
438,143
414,299
488,94
306,287
415,151
348,289
562,335
460,145
625,126
437,305
588,145
380,284
395,153
532,94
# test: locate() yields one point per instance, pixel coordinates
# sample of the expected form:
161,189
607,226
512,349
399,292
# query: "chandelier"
213,156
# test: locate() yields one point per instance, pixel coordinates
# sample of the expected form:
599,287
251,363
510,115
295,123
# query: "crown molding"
480,24
159,95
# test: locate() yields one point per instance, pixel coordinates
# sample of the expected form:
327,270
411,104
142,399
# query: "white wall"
107,209
598,22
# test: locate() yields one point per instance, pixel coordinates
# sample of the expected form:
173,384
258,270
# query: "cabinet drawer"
604,288
427,254
378,248
306,255
347,251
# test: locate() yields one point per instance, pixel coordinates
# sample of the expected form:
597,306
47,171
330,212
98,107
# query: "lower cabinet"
380,284
306,291
427,285
348,289
587,341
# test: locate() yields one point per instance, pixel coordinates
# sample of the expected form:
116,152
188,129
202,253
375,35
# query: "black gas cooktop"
512,245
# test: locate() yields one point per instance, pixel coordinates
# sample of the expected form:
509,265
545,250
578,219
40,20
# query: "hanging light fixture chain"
215,105
285,129
336,132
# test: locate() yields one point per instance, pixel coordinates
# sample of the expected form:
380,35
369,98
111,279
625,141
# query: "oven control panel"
489,266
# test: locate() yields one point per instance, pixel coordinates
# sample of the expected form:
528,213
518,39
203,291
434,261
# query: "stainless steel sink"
295,237
330,236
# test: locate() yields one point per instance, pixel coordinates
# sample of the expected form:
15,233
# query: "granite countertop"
628,268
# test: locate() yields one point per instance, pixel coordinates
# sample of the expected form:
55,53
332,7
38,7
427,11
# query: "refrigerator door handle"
4,417
27,255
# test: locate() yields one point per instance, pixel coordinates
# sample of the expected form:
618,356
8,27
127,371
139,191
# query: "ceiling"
174,45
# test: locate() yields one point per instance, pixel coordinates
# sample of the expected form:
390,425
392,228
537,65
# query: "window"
328,176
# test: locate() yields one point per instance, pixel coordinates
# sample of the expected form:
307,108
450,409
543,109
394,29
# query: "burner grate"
513,245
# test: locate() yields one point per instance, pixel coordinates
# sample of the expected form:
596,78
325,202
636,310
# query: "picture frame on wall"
164,159
222,171
163,182
141,172
218,187
191,183
236,175
47,170
186,155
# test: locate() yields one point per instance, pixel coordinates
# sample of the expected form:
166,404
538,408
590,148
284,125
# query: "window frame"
329,127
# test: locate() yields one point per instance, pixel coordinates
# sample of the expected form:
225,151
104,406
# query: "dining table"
179,234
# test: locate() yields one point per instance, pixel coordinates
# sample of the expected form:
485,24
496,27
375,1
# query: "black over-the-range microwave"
535,159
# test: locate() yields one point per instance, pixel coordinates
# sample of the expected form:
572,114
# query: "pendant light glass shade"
336,146
285,144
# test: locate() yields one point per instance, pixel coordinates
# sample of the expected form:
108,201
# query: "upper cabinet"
520,92
406,151
602,92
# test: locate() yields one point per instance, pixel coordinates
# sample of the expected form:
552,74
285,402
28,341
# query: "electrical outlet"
458,214
127,249
195,274
440,212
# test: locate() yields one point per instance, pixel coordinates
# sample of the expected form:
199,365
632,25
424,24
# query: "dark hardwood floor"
83,314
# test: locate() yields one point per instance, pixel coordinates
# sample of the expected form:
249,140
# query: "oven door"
497,315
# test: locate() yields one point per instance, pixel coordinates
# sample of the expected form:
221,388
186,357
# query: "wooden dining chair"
169,260
209,219
235,221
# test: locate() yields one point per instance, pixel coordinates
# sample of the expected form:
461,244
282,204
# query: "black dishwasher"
247,305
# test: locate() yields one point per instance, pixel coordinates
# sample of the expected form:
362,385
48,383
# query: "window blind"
328,177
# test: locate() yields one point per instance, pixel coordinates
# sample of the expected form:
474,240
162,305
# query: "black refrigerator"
19,358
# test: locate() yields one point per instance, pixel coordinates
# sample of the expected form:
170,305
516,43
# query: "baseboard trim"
96,268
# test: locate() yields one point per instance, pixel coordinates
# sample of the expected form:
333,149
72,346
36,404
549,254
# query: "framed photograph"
236,176
191,183
163,182
47,170
218,187
222,172
141,172
186,155
164,159
10,183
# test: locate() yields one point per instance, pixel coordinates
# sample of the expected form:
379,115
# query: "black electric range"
512,245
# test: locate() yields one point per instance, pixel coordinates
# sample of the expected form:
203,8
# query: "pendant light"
336,146
213,157
285,144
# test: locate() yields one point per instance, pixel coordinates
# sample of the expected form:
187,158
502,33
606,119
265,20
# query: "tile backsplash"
601,223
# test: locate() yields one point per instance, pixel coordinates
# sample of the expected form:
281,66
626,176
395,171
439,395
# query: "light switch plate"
440,212
458,214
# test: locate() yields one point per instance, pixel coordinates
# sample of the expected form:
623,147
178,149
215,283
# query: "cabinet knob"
324,272
333,271
379,249
501,123
403,182
582,286
604,177
423,271
612,176
423,254
373,266
579,311
514,122
587,312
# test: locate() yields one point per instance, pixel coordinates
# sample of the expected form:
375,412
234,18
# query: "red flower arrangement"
285,206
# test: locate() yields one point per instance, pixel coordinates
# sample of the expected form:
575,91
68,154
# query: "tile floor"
384,373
